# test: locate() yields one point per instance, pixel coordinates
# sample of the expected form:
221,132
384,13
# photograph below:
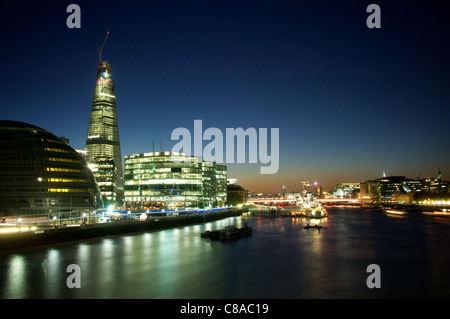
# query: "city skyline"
350,102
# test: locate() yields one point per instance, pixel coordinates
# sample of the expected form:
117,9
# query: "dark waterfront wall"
26,240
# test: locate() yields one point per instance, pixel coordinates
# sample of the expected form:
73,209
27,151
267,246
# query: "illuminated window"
64,170
65,160
48,149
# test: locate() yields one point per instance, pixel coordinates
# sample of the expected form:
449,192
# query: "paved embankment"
29,239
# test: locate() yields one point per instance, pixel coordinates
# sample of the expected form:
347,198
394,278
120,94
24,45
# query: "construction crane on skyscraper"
99,51
421,169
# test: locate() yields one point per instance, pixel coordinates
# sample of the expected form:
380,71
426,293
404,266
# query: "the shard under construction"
102,143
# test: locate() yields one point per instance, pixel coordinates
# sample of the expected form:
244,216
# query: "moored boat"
211,234
228,233
395,211
438,213
316,226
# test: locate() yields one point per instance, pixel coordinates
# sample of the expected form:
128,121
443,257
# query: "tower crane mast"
99,51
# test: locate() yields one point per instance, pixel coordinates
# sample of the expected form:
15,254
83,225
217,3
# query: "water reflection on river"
280,260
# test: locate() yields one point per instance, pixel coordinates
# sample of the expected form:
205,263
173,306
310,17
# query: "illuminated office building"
388,188
105,170
173,180
346,190
103,133
42,176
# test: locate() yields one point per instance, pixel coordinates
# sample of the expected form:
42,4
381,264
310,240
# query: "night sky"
350,102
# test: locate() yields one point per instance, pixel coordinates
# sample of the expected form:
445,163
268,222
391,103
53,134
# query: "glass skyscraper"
103,133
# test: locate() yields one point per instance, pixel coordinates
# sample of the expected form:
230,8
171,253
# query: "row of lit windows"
153,170
109,179
101,150
53,141
106,183
46,201
129,187
163,199
65,160
108,129
68,190
161,165
102,115
68,180
97,131
106,133
106,167
48,149
164,181
166,176
65,170
164,192
162,159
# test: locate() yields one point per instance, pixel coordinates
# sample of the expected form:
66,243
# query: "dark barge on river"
228,233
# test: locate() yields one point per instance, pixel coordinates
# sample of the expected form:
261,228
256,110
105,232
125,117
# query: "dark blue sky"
350,102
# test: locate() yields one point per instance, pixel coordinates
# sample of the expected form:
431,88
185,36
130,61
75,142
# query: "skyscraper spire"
102,141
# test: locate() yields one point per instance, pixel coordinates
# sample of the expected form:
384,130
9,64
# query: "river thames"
280,259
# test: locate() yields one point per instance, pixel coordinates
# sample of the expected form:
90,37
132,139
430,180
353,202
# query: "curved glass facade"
40,174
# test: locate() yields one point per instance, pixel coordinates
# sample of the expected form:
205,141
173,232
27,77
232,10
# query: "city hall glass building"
103,132
41,175
173,180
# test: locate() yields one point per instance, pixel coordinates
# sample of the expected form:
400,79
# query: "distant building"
434,190
173,180
283,192
435,184
346,190
42,176
388,188
236,195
